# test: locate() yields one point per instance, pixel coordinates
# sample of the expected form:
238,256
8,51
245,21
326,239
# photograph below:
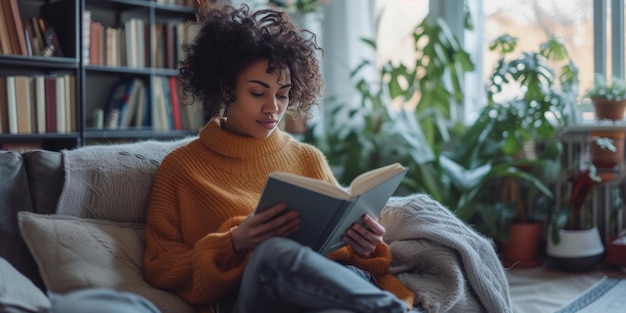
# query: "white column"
345,23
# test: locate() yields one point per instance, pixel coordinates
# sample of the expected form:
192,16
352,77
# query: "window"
592,30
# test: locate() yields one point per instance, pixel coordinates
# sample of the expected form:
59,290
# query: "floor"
544,289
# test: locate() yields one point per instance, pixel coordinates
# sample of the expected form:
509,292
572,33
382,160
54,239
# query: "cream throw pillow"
74,253
18,293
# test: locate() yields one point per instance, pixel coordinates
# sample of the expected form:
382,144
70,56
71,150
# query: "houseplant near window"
574,243
606,148
608,97
509,125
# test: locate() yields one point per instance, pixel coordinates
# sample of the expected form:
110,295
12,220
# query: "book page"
371,179
313,184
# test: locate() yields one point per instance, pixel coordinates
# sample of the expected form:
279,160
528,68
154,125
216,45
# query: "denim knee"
100,300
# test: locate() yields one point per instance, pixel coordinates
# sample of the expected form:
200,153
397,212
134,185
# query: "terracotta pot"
609,109
523,246
605,158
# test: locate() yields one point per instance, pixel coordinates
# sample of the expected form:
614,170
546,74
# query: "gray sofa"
31,181
74,219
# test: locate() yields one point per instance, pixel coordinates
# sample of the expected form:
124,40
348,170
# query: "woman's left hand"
364,240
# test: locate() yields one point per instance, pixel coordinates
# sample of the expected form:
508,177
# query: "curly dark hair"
229,40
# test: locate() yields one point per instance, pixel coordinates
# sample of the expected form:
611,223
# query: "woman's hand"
256,228
364,240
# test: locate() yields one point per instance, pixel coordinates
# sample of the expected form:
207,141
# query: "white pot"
578,250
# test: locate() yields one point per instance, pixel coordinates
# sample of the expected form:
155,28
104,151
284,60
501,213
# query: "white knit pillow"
112,182
74,253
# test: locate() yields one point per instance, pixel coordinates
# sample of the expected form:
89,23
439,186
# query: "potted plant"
606,148
608,97
574,243
509,126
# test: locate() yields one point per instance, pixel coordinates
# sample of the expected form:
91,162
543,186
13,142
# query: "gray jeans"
100,300
284,276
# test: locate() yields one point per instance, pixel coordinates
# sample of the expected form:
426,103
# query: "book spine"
11,105
326,245
60,104
18,29
4,115
50,84
40,103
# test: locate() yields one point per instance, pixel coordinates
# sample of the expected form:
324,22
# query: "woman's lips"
269,124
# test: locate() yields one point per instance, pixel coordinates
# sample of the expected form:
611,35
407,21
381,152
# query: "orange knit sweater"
203,190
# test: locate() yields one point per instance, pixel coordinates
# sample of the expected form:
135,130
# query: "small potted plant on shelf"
606,148
608,97
574,242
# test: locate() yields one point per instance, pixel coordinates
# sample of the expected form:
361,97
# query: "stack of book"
32,36
37,104
128,45
129,105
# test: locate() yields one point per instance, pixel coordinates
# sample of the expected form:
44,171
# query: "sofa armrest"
15,197
45,178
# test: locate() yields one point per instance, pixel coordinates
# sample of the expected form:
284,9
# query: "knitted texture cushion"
75,253
112,182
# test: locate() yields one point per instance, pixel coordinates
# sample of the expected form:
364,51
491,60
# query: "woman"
203,241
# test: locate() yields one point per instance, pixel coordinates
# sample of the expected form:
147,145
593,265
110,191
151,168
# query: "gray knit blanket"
449,266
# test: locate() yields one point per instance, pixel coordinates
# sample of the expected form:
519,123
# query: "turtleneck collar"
222,142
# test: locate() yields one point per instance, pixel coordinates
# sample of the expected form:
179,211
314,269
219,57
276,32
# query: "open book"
327,210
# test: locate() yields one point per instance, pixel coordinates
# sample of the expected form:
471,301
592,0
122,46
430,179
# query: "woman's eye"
282,96
256,94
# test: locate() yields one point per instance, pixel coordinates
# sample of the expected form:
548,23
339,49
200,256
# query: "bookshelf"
137,41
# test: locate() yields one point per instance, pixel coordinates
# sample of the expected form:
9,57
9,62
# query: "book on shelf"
51,98
32,44
39,92
5,40
159,109
37,37
129,107
59,83
142,118
85,34
11,105
178,122
16,30
51,41
115,100
70,102
23,103
4,113
326,210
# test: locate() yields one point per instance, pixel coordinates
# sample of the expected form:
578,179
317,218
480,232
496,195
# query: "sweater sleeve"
200,274
377,265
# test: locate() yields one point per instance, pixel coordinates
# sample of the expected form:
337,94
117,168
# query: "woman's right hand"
256,228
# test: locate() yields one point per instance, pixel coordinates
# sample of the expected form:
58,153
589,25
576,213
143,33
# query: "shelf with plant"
608,97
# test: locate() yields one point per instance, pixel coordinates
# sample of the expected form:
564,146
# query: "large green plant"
367,134
535,115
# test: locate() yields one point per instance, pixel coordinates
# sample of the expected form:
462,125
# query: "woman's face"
261,99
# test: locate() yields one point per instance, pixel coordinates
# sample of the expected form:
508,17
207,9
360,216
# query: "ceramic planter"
577,251
609,109
605,158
